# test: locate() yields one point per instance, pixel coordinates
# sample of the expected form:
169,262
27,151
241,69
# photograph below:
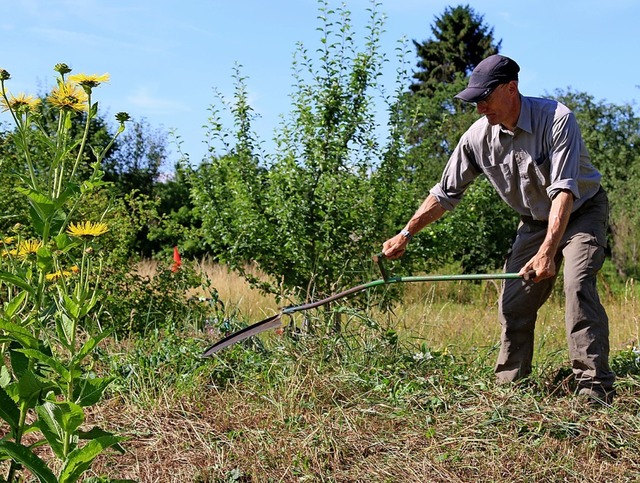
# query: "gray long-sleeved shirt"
528,167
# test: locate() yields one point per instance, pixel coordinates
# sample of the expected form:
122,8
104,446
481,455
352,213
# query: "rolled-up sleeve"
565,156
461,170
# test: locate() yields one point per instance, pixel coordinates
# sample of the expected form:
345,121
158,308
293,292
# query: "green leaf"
64,328
68,124
29,388
17,281
45,259
80,459
9,410
38,220
51,430
39,201
89,346
89,390
70,190
97,432
53,363
24,456
64,242
61,416
72,307
19,334
5,376
12,306
19,362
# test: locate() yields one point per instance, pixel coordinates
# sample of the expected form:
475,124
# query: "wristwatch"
406,234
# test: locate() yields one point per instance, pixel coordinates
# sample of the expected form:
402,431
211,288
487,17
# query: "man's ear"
512,87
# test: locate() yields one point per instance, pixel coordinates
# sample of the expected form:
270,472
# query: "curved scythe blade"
266,324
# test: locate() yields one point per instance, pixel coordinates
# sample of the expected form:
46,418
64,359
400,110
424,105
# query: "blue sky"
165,57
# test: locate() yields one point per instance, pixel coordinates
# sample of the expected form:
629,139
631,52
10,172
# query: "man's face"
498,107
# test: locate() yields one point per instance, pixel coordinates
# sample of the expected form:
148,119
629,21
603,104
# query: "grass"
402,397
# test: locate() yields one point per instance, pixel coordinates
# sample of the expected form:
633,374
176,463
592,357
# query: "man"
532,152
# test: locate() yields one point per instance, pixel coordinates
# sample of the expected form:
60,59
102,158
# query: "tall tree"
135,164
435,120
304,214
461,40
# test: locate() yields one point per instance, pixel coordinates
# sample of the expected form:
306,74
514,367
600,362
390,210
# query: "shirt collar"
524,120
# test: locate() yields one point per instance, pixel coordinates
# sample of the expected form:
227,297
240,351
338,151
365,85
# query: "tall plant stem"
85,136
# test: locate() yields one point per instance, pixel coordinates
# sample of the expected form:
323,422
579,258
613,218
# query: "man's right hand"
430,210
395,247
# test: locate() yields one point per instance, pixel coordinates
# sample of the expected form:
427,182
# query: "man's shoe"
597,396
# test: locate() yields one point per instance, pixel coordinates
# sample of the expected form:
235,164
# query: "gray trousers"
587,326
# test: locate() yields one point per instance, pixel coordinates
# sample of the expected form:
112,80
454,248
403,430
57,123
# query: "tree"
304,214
134,169
179,223
434,122
136,161
460,42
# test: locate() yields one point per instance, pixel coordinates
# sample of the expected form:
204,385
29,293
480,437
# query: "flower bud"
123,117
62,68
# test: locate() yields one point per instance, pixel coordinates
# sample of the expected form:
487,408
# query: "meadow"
400,395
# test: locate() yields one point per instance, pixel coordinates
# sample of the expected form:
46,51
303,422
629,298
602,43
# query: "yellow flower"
87,229
28,247
9,253
57,275
8,241
20,103
68,97
93,80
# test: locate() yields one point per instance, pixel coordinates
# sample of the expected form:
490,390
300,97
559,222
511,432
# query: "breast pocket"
501,178
538,169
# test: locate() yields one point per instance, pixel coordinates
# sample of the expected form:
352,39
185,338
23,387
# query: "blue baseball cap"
489,74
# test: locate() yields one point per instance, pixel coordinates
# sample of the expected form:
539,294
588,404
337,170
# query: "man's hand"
543,265
430,210
395,247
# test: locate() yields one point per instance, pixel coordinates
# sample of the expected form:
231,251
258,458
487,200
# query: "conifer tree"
460,41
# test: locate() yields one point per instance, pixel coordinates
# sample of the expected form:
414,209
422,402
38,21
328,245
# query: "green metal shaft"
418,278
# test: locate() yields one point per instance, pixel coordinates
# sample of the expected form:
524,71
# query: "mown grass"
407,396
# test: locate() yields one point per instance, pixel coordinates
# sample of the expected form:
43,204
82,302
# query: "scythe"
275,321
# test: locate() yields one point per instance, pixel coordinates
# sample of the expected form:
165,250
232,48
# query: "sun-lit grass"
235,293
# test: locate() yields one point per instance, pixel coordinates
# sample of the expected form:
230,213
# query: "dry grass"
310,429
429,312
469,319
314,425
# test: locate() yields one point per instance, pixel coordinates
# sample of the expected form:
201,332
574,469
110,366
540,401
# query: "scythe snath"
274,321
